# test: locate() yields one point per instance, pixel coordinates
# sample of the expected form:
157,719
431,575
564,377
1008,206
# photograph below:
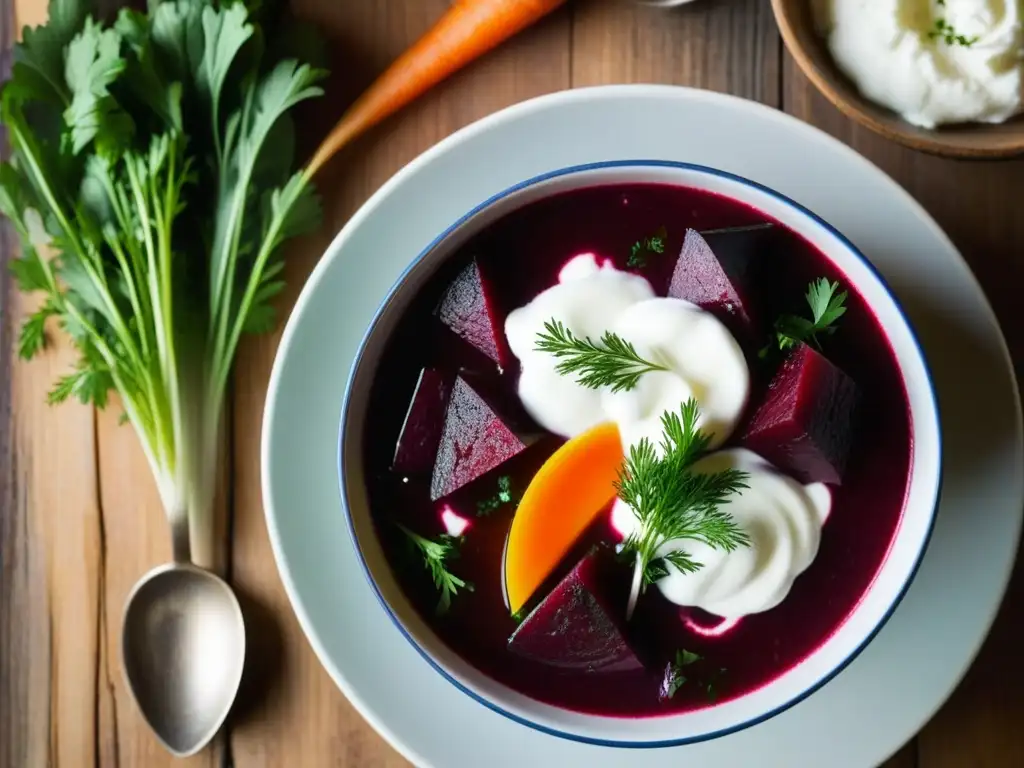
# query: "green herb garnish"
826,307
611,362
495,502
673,503
649,246
943,30
151,182
674,677
711,686
436,556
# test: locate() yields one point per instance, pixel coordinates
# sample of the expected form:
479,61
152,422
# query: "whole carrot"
469,29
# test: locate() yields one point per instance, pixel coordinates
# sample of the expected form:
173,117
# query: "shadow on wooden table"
264,670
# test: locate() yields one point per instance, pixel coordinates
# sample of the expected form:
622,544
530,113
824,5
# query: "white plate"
890,691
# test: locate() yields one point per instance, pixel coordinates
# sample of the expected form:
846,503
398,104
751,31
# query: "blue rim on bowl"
660,743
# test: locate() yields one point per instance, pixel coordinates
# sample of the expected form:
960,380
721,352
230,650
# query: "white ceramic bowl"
846,642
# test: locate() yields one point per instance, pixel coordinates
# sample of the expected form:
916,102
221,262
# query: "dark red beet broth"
522,254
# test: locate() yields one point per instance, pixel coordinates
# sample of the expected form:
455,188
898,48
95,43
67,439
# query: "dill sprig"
436,556
674,503
611,362
826,305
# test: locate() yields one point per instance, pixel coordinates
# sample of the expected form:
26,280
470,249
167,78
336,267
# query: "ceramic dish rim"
799,209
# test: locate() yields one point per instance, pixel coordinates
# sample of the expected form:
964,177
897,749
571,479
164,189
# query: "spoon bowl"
183,648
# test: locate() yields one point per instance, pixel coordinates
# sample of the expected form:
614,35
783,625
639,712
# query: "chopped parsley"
649,246
943,30
504,496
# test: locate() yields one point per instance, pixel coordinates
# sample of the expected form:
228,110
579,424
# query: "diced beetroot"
421,432
717,270
474,441
577,626
805,425
468,309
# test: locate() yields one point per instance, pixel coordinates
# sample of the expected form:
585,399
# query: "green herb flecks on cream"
673,503
610,362
152,188
944,31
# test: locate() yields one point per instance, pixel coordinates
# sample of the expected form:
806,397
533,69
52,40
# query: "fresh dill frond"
611,362
673,503
436,556
827,307
655,244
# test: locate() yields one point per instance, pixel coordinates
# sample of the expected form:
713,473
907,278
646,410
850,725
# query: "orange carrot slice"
562,500
469,29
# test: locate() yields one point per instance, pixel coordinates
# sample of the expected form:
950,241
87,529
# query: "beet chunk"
468,309
577,626
474,441
805,425
717,271
417,443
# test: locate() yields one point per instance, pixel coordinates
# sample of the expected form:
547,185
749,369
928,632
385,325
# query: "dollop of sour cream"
702,358
783,520
934,62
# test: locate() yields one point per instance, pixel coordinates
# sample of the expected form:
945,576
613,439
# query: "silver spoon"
183,648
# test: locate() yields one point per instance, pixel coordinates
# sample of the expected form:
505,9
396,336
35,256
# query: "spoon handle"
468,29
181,547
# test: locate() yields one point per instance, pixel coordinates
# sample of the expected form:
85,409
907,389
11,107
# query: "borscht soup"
636,449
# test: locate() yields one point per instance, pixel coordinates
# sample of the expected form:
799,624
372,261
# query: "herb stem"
634,589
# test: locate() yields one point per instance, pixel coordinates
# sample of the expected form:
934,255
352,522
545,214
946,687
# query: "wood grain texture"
80,522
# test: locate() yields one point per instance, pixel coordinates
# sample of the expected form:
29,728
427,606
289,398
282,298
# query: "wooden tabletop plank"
731,47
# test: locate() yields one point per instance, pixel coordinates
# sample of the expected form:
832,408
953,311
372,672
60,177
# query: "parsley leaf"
649,246
674,679
486,506
827,307
93,62
436,555
33,331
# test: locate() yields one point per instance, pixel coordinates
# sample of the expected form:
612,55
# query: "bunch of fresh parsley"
152,186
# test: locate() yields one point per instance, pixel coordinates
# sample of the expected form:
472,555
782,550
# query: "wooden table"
79,516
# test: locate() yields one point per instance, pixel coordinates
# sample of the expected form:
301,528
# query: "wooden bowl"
796,22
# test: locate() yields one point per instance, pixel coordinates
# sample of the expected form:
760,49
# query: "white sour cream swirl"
783,520
704,361
897,54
